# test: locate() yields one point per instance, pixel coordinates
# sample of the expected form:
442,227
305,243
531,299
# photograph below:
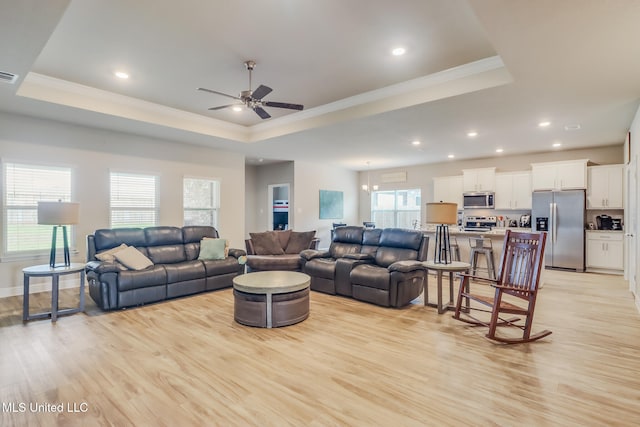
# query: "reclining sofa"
379,266
176,269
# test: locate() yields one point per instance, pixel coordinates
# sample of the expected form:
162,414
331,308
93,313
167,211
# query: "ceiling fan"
253,99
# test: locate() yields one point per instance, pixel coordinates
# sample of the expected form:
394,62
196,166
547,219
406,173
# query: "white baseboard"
40,285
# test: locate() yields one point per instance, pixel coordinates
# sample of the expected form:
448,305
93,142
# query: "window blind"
24,186
201,201
134,201
396,208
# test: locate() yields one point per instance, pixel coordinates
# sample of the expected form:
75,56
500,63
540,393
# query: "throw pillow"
109,255
299,241
226,245
283,237
266,243
133,259
213,249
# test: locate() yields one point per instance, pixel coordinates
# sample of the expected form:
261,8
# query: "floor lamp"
442,214
58,214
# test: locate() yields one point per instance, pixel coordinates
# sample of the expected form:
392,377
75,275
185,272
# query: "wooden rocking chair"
518,276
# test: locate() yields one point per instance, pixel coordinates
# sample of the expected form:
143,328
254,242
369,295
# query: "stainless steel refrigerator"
562,215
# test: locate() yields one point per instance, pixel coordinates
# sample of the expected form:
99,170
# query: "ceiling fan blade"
261,91
260,111
222,107
284,105
218,93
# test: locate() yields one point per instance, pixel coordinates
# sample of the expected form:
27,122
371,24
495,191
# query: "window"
24,186
201,201
399,208
134,201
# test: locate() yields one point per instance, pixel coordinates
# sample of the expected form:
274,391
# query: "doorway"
631,225
278,207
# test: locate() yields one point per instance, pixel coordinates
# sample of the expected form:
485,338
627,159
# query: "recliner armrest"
309,254
406,266
100,267
237,253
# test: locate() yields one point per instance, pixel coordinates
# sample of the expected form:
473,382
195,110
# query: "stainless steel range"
480,223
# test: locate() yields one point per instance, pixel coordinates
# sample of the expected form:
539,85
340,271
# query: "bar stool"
455,249
482,246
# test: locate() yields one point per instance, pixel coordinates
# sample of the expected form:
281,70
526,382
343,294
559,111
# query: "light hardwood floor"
186,362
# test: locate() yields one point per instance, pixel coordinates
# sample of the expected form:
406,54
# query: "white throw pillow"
133,259
109,256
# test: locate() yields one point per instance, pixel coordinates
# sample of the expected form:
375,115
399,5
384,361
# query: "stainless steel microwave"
478,200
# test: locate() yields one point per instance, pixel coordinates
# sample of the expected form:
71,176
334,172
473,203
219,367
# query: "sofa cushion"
136,279
283,237
387,256
167,254
273,262
183,271
299,241
110,238
321,267
195,233
133,259
217,267
266,243
401,238
157,236
370,275
213,249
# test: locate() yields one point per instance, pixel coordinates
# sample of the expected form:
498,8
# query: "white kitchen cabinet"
482,179
513,190
605,251
448,189
605,187
565,175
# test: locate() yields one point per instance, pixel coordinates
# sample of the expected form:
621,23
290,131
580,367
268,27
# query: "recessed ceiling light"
499,150
121,75
451,156
236,108
472,134
572,127
544,124
557,144
398,51
416,142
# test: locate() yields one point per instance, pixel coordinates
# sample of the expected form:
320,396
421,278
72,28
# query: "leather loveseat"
379,266
278,250
176,269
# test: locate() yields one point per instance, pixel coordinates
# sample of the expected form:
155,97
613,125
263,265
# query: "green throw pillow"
212,248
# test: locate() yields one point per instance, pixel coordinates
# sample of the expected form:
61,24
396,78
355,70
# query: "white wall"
93,153
421,176
310,178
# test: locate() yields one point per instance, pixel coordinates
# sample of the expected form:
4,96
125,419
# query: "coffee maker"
525,221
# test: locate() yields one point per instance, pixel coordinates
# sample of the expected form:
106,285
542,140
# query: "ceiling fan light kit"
253,99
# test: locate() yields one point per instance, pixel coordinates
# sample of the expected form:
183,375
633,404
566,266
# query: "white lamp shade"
442,213
58,213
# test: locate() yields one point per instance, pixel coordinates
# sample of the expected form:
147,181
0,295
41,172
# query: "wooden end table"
54,273
452,267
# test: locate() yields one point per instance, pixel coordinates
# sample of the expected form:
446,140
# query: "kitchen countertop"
496,231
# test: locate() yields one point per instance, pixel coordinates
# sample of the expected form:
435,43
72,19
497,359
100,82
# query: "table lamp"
58,214
442,214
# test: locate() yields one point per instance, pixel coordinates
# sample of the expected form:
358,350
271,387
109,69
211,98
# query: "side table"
54,273
453,267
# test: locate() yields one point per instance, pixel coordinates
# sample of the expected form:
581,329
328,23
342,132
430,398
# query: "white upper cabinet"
483,179
448,189
565,175
513,190
605,187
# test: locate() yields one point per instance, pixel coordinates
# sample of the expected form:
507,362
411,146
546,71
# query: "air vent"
8,77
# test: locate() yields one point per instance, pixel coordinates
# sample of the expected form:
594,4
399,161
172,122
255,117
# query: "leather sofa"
278,250
379,266
176,269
